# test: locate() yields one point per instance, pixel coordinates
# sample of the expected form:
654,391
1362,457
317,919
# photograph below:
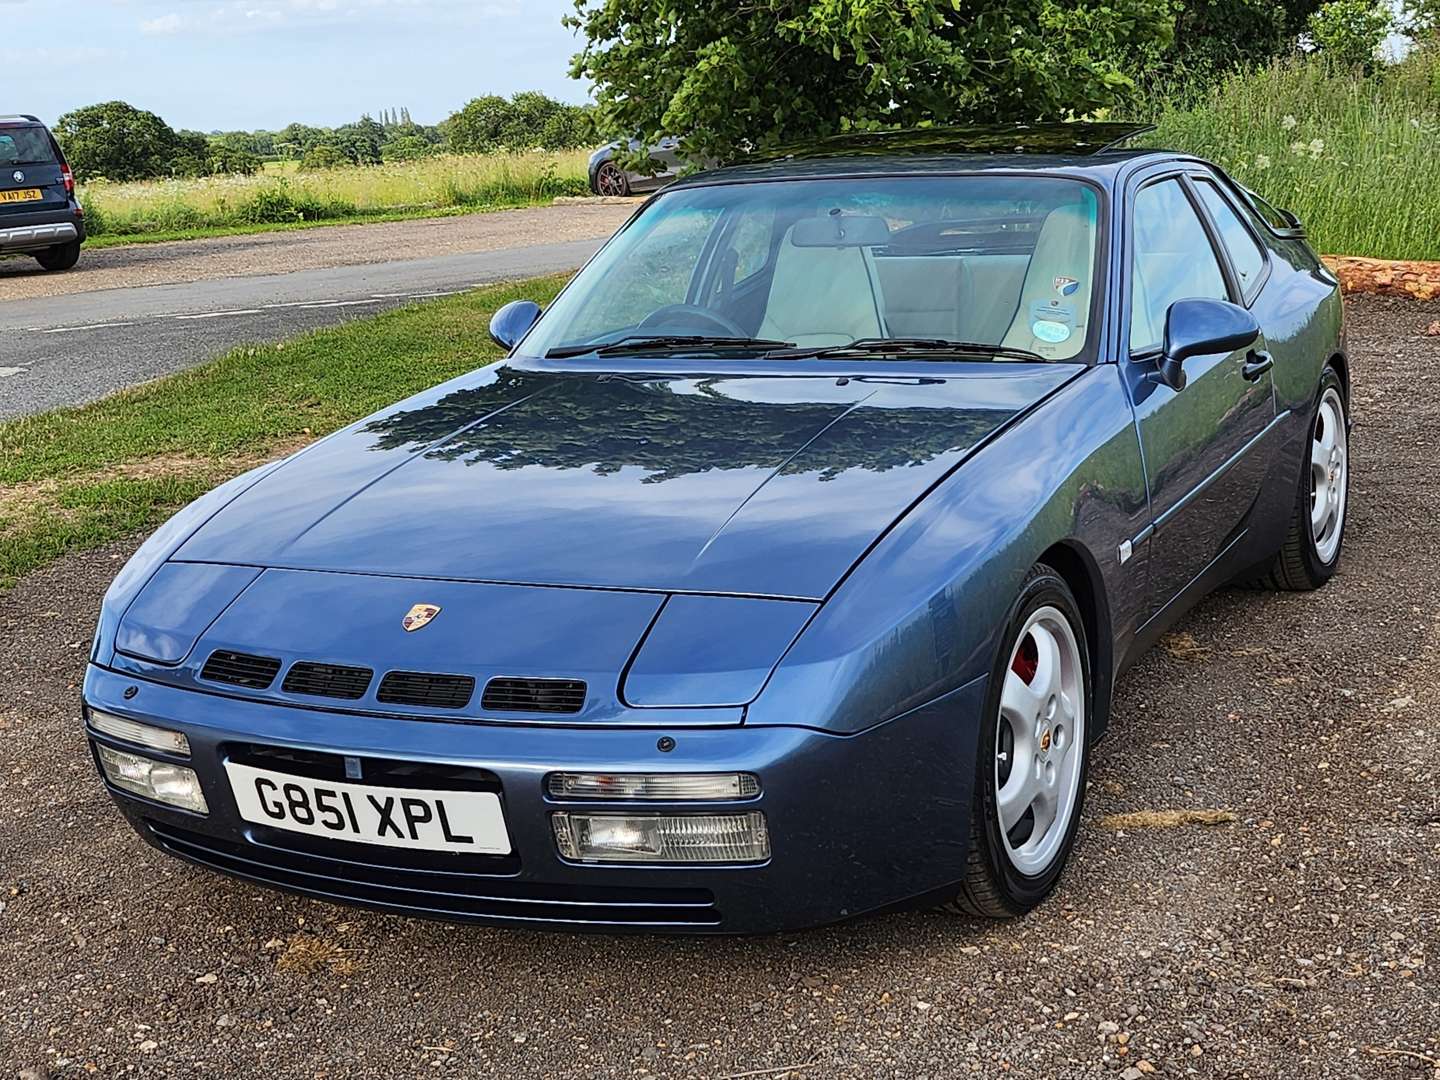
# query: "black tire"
611,180
59,257
1299,566
993,886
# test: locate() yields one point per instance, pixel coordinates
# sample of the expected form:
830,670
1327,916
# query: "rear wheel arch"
1078,567
1341,364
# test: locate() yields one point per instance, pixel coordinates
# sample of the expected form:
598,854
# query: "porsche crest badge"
419,616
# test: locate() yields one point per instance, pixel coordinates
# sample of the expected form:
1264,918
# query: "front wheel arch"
1074,563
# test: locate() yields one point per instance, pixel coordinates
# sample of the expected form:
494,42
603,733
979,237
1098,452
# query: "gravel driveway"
1301,939
312,249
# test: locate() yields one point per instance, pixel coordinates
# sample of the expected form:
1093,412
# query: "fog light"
174,785
676,787
662,838
132,731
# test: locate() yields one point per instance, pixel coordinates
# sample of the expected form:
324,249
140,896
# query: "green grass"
1356,158
74,479
105,240
217,204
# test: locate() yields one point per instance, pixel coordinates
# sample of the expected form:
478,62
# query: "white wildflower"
1298,148
1262,161
1288,122
1317,147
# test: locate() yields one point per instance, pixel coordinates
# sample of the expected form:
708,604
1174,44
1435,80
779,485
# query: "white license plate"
456,821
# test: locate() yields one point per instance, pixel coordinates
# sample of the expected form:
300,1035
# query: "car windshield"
25,146
1005,265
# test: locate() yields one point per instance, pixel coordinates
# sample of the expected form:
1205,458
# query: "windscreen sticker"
1052,332
1066,286
1052,321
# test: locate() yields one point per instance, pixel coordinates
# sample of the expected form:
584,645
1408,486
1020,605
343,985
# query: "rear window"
25,146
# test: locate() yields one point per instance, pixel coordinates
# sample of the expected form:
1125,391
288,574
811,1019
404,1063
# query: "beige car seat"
825,294
1055,297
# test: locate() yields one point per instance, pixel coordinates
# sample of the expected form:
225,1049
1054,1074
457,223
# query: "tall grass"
474,182
1356,158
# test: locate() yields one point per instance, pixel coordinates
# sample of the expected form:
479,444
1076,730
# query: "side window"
1245,253
638,287
751,244
1173,260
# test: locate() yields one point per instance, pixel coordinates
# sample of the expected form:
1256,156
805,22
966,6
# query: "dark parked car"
782,573
607,177
38,210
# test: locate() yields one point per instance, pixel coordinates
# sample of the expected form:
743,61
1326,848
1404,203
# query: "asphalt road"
131,313
64,350
1297,941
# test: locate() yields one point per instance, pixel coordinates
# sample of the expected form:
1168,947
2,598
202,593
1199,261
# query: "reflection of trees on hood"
675,427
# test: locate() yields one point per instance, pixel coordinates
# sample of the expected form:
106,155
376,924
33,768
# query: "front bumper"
37,230
857,823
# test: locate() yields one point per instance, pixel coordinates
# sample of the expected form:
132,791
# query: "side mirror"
511,322
1202,328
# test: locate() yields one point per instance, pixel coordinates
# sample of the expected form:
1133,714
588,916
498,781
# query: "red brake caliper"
1027,660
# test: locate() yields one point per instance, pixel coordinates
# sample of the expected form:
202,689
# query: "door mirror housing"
512,322
1202,328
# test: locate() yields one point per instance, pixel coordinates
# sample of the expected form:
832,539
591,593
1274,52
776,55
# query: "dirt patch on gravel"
1298,941
311,249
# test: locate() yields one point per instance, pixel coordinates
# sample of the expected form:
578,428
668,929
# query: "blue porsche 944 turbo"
782,572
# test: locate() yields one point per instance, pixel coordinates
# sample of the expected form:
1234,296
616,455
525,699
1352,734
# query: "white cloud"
163,24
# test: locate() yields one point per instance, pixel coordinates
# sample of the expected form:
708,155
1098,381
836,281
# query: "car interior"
985,262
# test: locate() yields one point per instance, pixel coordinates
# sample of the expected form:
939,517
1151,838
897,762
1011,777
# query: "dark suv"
38,210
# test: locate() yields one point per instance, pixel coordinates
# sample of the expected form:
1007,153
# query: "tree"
231,154
1349,32
724,76
408,148
116,141
478,126
191,156
324,156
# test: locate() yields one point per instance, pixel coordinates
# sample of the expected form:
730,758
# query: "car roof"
1088,148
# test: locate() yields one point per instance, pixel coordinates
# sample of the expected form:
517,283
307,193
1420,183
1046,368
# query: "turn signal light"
132,731
668,787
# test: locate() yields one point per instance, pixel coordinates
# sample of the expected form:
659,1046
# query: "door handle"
1256,364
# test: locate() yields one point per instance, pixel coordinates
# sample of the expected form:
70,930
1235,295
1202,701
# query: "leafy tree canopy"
1349,32
724,76
116,141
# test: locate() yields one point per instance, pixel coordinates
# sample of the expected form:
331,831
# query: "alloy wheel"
1039,741
1329,476
611,181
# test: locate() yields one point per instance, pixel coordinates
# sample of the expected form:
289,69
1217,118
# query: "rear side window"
25,146
1173,261
1245,253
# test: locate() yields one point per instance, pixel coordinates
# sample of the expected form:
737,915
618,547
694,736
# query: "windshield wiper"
908,346
664,342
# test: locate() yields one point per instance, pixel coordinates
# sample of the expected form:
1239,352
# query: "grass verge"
118,213
105,240
75,479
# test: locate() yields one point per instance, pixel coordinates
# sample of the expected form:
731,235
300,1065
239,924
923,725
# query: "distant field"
283,195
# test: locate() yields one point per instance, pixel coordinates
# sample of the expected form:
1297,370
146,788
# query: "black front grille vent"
241,669
425,690
327,680
533,695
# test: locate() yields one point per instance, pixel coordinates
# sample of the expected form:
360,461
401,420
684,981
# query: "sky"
244,64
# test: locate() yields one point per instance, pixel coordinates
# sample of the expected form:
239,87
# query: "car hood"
763,484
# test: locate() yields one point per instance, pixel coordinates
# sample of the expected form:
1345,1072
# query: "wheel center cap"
1045,741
